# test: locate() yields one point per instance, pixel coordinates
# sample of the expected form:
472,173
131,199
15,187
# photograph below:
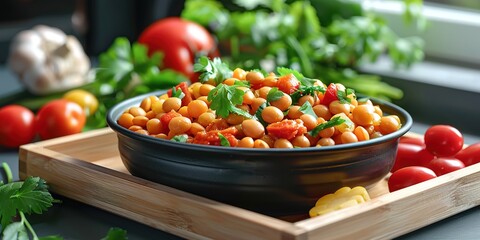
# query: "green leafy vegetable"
306,90
215,70
223,140
342,95
330,123
178,93
116,234
328,40
224,99
180,138
306,108
274,94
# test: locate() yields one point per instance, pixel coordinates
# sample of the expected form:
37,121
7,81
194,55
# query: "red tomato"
407,155
330,94
17,127
59,118
184,87
288,83
165,120
287,129
409,176
443,140
180,41
445,165
412,140
469,155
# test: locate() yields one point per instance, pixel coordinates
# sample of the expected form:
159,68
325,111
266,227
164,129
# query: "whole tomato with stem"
59,118
17,126
180,41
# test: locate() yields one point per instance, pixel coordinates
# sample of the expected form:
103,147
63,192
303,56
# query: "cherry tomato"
17,127
409,155
412,140
59,118
187,98
445,165
409,176
288,83
469,155
85,99
443,140
330,94
180,41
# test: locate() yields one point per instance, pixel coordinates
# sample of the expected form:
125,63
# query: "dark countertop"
74,220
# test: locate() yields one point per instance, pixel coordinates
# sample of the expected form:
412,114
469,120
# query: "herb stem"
27,224
8,172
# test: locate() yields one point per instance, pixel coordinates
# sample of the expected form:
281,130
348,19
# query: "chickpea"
268,139
294,112
282,103
140,121
361,133
146,104
282,143
325,142
229,81
336,107
157,106
389,124
254,77
306,98
234,119
239,73
150,114
142,131
154,126
272,114
125,120
301,141
252,128
256,103
263,92
309,121
248,97
322,111
246,142
196,128
135,128
205,89
270,81
196,89
172,103
260,144
196,108
363,114
349,137
206,118
137,111
184,111
179,125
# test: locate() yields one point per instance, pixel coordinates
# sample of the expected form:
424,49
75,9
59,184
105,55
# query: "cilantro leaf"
28,196
178,93
274,94
215,70
223,140
258,114
224,99
342,95
116,234
306,108
180,138
16,230
331,123
306,90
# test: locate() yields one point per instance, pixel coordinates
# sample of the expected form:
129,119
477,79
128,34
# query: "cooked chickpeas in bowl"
271,143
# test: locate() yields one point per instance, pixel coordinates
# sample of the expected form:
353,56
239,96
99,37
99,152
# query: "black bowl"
275,182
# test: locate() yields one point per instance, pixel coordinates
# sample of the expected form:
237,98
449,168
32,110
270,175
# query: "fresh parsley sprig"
224,100
215,70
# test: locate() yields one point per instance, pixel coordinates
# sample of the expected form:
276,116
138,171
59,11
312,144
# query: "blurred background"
445,83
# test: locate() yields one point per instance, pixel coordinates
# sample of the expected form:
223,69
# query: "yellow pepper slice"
342,198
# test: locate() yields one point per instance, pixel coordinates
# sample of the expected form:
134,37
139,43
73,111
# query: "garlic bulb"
46,60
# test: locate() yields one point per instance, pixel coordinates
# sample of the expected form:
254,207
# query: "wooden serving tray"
87,167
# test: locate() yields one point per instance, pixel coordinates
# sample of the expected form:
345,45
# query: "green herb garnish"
306,108
215,70
180,138
178,93
224,99
331,123
274,94
223,140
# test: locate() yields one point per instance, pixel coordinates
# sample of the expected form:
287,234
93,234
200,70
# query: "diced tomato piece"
184,87
212,138
165,120
288,83
330,94
287,129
